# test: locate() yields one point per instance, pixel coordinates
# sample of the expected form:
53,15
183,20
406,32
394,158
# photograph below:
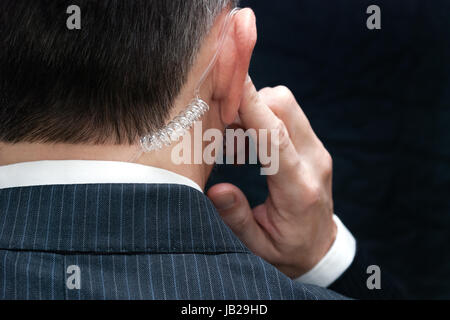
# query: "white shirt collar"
55,172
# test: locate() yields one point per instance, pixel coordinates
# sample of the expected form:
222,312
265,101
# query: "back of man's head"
112,81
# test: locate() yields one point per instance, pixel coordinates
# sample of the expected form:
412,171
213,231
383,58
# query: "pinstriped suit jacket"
130,241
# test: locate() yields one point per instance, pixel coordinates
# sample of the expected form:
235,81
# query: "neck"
25,152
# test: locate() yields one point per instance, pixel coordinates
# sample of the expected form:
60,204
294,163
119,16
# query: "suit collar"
113,218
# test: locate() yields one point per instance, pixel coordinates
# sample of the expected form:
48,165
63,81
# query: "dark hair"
112,81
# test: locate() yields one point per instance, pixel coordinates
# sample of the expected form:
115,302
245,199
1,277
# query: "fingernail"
225,201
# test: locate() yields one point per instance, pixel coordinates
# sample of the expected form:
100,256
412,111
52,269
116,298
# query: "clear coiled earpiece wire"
184,121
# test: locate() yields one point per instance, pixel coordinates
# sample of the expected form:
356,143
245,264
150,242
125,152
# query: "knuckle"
312,195
284,94
240,222
266,90
283,136
327,164
254,98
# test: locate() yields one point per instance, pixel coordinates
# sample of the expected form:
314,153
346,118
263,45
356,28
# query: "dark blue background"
380,102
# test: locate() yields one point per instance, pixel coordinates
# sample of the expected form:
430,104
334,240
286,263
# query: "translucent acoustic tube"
176,128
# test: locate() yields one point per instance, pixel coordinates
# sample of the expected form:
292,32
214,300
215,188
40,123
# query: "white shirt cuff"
336,261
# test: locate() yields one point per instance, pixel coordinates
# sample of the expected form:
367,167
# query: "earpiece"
177,128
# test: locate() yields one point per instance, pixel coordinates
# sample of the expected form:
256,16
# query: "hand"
294,228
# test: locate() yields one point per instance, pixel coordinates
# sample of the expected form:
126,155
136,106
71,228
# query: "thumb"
235,210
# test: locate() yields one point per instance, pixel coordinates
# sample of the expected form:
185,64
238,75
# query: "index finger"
255,114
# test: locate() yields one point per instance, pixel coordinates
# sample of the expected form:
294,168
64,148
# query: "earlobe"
233,64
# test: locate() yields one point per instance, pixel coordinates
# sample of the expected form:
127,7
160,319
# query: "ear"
231,69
